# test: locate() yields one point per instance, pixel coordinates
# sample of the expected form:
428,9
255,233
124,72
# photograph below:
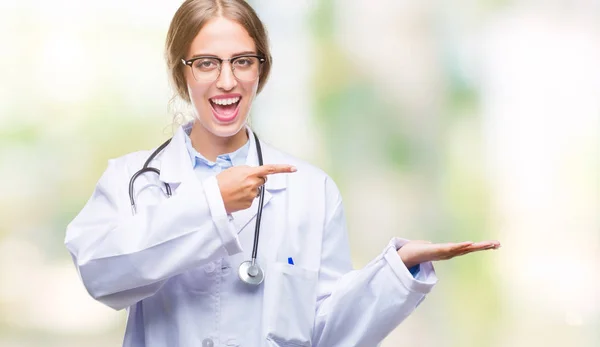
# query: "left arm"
361,307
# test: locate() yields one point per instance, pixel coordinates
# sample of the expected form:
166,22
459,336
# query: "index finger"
269,169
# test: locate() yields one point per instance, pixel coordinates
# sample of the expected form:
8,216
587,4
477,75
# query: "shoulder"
312,192
307,175
129,162
273,155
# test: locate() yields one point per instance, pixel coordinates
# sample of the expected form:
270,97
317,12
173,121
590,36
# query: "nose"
226,80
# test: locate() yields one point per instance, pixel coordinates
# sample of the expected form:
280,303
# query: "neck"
211,145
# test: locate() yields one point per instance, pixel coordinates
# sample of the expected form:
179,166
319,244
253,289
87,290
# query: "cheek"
198,93
250,89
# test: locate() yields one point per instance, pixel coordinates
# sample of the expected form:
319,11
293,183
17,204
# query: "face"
221,106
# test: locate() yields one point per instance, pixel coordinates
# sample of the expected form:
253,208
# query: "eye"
244,62
206,64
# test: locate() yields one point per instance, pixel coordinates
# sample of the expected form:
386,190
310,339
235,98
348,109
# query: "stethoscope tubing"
249,272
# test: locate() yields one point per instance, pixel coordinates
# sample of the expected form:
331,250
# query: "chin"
223,130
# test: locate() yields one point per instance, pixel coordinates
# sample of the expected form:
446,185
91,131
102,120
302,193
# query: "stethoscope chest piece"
251,273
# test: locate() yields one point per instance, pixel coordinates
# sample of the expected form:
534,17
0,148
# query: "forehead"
222,37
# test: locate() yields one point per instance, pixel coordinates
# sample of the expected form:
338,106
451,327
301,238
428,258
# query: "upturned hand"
417,252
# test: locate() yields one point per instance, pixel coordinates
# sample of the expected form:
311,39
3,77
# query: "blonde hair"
189,19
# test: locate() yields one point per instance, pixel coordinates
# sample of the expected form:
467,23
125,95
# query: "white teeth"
228,101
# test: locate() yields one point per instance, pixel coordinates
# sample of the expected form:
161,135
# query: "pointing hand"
239,185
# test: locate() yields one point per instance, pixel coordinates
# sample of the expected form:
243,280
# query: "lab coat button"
208,343
210,267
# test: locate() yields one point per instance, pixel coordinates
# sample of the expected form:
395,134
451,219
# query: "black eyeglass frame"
190,62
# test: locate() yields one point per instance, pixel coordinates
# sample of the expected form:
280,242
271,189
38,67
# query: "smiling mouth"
225,109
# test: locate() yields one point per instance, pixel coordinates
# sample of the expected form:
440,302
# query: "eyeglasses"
208,68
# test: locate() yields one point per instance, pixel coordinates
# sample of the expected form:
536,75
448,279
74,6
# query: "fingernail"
293,169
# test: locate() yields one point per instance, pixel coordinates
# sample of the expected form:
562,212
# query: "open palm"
417,252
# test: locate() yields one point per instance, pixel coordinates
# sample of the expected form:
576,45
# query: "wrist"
406,257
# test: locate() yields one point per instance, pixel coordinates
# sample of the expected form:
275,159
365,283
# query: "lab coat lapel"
175,164
274,182
176,167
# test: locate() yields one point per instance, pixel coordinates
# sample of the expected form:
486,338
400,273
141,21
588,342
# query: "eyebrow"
216,56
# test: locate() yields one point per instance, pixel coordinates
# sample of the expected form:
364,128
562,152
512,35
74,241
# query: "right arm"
123,259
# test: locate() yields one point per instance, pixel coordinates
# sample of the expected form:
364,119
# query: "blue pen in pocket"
290,261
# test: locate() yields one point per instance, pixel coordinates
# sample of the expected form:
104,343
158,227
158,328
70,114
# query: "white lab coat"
174,264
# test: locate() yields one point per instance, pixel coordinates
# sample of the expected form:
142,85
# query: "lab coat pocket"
198,280
291,293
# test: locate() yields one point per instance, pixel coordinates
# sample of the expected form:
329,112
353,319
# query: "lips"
225,108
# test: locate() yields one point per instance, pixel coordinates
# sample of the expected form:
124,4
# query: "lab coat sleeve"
122,259
360,308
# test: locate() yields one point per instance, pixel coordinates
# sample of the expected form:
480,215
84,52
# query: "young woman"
177,243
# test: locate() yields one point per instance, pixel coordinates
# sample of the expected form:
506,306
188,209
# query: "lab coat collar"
175,165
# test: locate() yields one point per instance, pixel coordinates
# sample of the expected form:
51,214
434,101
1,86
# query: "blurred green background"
445,121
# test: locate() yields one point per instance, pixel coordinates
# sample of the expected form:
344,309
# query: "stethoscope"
249,271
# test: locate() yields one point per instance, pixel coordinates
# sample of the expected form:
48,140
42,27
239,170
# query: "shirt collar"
235,158
176,166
